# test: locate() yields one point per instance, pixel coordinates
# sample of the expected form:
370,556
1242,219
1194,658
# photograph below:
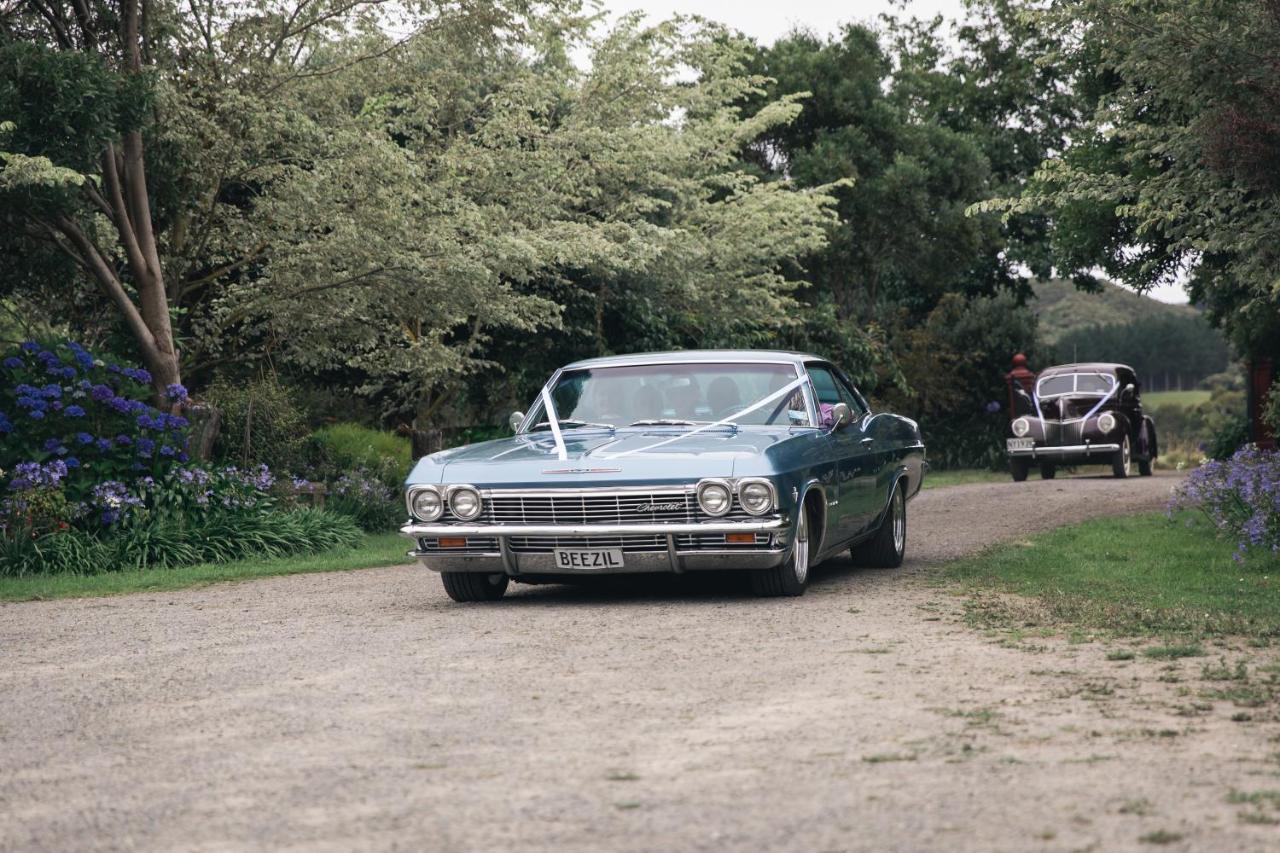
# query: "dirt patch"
365,710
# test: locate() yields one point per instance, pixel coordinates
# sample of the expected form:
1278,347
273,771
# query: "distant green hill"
1062,308
1170,346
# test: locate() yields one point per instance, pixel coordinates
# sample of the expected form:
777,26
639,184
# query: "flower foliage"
82,421
1240,495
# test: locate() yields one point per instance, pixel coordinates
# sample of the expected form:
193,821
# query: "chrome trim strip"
687,488
1063,450
416,530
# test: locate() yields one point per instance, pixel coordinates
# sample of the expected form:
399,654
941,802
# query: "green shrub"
368,501
343,449
262,423
166,542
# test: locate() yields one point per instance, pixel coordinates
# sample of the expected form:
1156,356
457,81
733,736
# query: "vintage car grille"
665,506
475,545
546,544
717,542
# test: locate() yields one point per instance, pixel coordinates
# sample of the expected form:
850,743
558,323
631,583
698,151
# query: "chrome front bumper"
1081,451
509,562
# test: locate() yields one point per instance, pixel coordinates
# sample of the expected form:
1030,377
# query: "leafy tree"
1174,173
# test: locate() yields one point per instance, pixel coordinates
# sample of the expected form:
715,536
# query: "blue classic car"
671,462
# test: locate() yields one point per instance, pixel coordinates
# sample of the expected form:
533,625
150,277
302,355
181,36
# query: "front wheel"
474,586
1121,459
1019,467
886,549
792,576
1048,470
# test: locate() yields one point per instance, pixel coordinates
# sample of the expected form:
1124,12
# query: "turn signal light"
453,542
740,538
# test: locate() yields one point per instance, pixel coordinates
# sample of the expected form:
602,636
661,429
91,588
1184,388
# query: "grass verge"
381,549
963,476
1132,575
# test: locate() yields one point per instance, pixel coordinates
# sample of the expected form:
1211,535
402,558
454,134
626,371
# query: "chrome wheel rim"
1124,450
800,557
899,522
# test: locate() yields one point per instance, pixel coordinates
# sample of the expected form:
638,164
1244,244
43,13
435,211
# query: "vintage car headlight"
1106,422
425,503
1021,426
464,502
714,497
756,496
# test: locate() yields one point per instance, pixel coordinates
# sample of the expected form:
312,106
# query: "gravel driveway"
365,710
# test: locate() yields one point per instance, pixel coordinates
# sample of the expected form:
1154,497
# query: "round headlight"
714,498
1106,422
464,501
1021,426
756,497
426,505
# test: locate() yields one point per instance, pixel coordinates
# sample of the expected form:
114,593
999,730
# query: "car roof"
697,355
1085,367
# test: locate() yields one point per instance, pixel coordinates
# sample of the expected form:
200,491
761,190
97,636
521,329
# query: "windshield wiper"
572,424
663,422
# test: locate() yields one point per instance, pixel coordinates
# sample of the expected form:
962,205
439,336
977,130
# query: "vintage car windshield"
690,393
1095,384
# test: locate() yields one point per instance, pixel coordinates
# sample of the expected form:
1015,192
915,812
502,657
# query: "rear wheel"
792,576
1121,459
1048,470
474,586
1018,468
888,546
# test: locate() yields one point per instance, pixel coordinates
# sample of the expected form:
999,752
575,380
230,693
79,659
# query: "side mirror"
515,420
1127,393
841,416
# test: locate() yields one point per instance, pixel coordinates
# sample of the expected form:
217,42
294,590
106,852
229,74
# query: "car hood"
598,458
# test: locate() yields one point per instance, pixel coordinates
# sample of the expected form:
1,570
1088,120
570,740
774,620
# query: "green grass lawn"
962,476
1133,575
1155,399
382,549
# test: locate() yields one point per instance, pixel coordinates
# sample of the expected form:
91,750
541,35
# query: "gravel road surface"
364,710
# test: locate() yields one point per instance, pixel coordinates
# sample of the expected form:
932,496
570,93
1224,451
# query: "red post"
1021,374
1262,380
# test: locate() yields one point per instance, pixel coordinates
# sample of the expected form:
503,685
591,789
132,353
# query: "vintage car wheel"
1048,470
474,586
1019,468
1121,459
792,576
1144,467
888,546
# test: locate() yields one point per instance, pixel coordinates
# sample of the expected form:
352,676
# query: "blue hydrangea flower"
30,346
175,392
13,362
84,438
74,412
146,446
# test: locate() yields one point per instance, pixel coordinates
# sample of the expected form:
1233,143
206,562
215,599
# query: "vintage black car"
1081,414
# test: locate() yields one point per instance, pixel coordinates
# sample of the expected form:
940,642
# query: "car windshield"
675,394
1061,384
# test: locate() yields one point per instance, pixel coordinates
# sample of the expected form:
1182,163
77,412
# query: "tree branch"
93,259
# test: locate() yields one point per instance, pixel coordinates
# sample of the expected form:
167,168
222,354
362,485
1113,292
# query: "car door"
846,508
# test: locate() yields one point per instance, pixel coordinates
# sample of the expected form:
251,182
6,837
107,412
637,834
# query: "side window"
824,383
847,395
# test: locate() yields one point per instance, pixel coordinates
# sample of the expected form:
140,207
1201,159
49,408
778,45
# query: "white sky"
766,22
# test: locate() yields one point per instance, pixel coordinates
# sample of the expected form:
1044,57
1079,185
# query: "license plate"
1019,443
588,560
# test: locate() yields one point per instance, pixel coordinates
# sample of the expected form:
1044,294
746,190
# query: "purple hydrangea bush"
1240,496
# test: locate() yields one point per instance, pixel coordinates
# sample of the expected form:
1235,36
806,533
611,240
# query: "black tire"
792,576
1048,470
1019,468
1120,460
474,586
1144,467
887,548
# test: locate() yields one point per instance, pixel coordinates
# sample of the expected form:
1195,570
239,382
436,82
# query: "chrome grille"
717,542
638,507
546,544
475,545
